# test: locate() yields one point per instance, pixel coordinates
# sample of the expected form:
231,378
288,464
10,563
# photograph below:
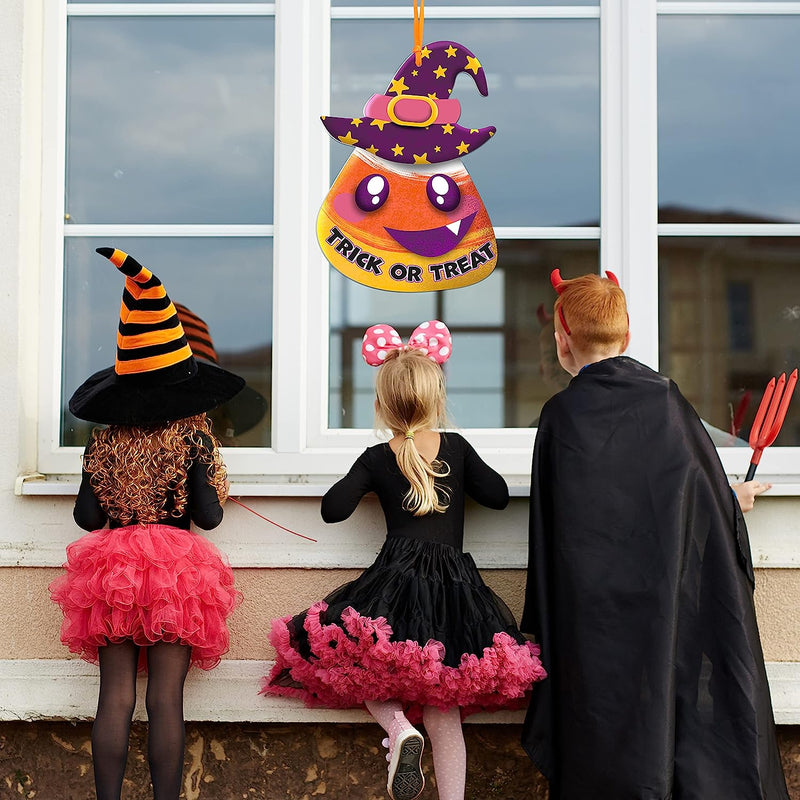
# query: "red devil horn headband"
558,282
558,285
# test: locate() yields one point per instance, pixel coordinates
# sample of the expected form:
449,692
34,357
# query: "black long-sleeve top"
376,470
203,506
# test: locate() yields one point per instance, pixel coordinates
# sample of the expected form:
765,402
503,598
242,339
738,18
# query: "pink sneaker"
405,780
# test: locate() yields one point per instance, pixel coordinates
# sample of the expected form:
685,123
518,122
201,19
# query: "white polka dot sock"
449,751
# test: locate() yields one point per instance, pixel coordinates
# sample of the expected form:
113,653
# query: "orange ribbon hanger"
419,27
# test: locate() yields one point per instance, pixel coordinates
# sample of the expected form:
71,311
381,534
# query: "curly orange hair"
134,470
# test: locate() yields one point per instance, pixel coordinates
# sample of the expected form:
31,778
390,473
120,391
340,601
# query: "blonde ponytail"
411,397
423,497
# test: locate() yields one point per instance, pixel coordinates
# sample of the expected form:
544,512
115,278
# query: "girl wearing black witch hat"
146,593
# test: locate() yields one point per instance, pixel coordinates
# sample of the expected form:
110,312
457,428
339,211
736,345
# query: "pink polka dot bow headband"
431,337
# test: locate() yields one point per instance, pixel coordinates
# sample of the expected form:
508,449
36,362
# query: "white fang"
454,226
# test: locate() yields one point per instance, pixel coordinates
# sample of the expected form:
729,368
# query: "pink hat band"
414,110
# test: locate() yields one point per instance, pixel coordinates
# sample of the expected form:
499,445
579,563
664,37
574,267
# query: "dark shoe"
406,781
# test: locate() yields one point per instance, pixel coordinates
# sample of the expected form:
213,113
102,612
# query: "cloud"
727,128
170,120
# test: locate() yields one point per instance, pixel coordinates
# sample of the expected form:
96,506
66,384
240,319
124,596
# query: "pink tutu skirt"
148,583
356,660
419,626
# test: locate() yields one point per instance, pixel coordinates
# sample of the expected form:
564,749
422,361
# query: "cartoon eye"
371,192
443,192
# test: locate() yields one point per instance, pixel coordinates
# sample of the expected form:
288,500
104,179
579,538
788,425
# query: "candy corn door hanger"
404,215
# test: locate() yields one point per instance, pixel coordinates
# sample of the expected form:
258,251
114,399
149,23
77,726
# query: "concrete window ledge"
42,689
66,689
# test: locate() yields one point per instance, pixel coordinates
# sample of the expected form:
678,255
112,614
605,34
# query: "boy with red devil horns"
640,584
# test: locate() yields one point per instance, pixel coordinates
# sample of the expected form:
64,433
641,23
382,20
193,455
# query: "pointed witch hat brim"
156,378
415,120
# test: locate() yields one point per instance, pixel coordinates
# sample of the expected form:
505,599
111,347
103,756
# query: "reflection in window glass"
727,129
729,320
475,395
239,319
542,167
170,120
479,304
503,366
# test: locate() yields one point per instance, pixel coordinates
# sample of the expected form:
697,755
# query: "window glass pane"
729,319
727,121
235,304
542,167
480,304
503,366
100,2
170,120
447,3
475,396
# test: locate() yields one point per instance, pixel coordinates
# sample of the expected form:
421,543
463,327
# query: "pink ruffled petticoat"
148,583
356,661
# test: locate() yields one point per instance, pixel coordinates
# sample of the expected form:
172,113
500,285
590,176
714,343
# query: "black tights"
167,665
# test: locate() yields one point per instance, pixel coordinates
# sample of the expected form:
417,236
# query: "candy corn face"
406,228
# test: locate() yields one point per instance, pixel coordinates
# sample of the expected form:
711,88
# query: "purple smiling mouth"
433,242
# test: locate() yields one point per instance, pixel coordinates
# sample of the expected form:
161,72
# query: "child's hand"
747,492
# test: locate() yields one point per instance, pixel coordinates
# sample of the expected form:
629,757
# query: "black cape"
640,592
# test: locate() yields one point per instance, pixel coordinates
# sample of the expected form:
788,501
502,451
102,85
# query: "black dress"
419,625
640,592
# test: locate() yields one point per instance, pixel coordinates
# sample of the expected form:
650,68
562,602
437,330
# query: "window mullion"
611,134
301,36
629,203
316,266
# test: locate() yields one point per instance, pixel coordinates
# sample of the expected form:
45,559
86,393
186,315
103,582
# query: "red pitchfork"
769,417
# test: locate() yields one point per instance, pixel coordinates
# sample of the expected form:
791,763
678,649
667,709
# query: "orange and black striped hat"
197,333
241,413
155,377
150,336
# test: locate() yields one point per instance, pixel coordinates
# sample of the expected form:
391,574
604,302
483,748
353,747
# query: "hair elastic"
409,434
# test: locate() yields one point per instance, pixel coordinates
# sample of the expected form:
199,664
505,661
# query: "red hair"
595,310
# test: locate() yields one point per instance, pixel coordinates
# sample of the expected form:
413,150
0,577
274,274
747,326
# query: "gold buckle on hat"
394,118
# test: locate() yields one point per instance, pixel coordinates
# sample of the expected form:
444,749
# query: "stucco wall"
10,181
30,623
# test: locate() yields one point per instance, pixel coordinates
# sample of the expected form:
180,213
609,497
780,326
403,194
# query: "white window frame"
305,451
778,463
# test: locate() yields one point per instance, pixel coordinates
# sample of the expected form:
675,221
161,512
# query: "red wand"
769,417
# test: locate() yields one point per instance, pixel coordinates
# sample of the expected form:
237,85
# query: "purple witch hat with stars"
416,120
